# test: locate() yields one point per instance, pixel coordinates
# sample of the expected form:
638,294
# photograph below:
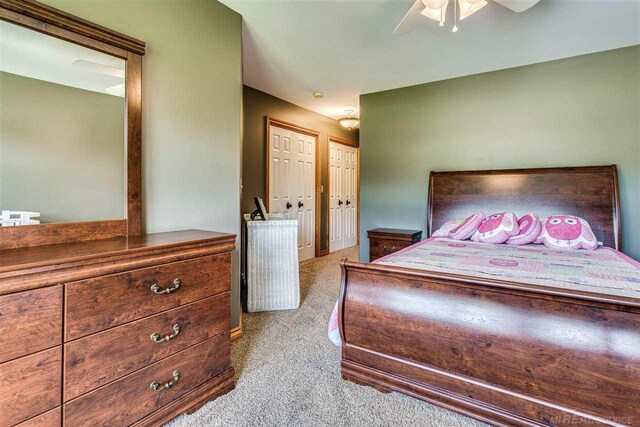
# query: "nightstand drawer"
132,397
94,305
379,248
385,241
90,361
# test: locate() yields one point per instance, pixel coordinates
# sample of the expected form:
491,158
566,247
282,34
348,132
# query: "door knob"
339,202
289,205
348,202
300,204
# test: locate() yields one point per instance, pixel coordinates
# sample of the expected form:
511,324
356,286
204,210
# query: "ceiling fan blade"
95,67
117,90
517,5
410,20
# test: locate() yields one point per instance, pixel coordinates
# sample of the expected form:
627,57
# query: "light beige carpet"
288,373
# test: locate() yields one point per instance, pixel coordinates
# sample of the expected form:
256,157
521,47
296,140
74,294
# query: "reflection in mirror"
62,130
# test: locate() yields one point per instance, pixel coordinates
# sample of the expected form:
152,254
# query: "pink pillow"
447,227
567,232
497,228
467,228
530,228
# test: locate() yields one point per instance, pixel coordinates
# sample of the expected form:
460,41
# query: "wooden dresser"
385,241
123,331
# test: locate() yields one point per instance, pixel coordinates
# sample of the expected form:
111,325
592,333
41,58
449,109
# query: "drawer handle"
157,387
156,289
388,249
155,337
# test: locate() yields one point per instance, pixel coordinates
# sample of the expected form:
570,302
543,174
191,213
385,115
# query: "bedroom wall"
572,112
192,95
76,176
257,106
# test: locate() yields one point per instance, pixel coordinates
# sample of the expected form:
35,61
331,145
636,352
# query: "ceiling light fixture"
349,122
437,10
318,94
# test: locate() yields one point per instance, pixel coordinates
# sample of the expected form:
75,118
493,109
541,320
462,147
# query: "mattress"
603,271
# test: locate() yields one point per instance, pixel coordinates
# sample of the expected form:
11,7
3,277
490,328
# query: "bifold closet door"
343,196
292,158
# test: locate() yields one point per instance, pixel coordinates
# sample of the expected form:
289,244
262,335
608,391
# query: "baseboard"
191,401
236,333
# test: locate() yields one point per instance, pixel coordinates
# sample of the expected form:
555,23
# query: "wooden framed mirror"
111,56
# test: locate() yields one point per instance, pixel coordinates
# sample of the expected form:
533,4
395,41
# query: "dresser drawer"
98,359
101,303
131,398
30,386
30,321
52,418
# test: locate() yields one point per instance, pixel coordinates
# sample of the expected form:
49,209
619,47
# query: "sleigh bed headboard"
587,192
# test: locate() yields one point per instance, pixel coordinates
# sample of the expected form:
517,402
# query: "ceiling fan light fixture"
469,7
436,10
349,122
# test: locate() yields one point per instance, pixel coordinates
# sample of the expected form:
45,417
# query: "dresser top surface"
23,258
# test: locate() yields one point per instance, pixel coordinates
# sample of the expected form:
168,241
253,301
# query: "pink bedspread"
603,271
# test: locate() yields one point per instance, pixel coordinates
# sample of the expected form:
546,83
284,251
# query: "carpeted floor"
288,373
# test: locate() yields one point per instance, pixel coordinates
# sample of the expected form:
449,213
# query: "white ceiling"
346,48
32,54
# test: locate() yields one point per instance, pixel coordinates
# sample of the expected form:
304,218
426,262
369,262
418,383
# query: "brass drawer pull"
156,289
155,337
157,387
388,249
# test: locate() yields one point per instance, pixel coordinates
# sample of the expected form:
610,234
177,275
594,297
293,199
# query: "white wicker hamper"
273,282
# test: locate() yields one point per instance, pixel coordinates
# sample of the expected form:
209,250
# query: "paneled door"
343,196
292,166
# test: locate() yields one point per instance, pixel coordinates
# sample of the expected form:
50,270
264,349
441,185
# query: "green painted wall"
192,96
61,151
572,112
257,106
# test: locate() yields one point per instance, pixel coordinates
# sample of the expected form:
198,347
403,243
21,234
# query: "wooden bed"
544,377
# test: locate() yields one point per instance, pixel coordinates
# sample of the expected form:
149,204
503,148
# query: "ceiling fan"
437,10
95,67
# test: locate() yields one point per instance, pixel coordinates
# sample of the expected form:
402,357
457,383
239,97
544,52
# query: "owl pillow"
447,227
567,232
467,228
497,228
530,228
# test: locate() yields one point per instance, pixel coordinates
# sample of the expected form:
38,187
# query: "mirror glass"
62,130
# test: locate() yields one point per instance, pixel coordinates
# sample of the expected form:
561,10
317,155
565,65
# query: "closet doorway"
293,180
344,193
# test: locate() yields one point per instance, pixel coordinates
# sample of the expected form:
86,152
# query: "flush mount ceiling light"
318,94
349,122
437,10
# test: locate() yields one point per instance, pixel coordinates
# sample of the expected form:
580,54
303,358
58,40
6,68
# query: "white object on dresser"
273,281
13,218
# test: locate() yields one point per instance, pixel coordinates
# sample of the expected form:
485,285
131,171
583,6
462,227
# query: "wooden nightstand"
385,241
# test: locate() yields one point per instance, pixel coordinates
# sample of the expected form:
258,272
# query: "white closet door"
305,195
336,199
292,183
351,196
343,196
280,171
